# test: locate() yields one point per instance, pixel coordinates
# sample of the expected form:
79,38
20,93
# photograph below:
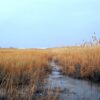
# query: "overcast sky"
48,23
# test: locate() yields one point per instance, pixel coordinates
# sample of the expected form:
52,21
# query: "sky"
48,23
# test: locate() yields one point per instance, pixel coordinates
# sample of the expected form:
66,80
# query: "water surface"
70,88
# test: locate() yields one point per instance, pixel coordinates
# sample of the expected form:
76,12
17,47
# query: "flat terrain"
68,73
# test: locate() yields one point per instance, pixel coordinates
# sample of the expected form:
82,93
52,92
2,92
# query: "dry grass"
79,62
22,70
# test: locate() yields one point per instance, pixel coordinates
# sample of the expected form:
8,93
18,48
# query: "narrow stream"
71,89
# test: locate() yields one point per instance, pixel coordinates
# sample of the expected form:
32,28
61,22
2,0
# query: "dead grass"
22,69
82,62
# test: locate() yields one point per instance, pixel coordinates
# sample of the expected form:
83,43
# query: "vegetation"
80,61
20,71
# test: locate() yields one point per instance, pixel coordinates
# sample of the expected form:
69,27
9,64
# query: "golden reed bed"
79,62
20,71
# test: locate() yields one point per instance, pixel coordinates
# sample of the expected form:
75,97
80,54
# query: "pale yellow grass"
22,68
84,61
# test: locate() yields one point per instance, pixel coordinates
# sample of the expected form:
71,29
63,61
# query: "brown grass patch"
83,62
21,69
